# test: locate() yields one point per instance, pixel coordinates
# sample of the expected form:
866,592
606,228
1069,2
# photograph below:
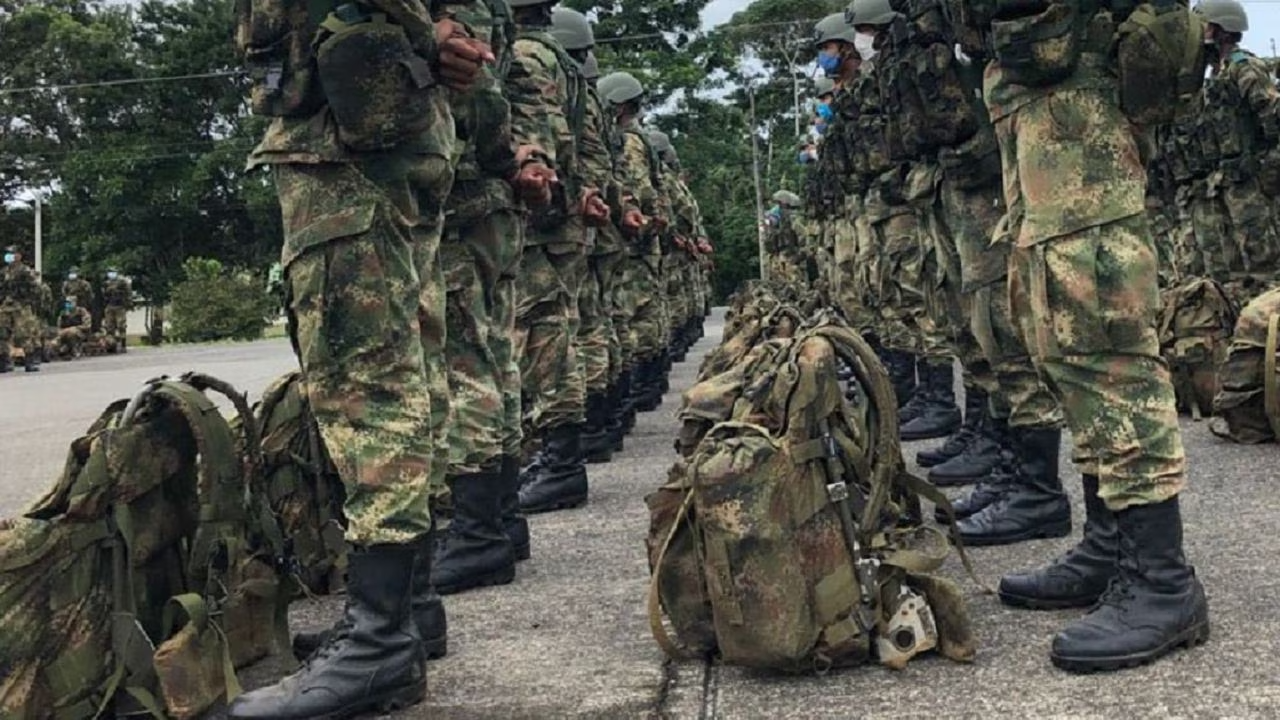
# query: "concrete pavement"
570,639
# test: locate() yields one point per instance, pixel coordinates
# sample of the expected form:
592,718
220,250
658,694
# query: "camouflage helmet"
660,141
869,12
572,29
831,28
787,198
1226,14
620,87
824,85
591,67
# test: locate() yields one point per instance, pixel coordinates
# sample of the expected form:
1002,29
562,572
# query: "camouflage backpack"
1248,405
1161,61
151,570
760,320
788,536
1195,329
302,487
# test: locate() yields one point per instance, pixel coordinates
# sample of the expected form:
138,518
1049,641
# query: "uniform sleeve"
415,17
1258,90
537,99
638,175
597,160
489,116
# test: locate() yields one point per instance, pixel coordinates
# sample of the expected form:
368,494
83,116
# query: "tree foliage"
213,303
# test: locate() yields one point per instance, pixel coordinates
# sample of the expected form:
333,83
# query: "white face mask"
864,43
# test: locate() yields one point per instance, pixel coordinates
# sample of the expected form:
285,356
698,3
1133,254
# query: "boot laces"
341,632
1118,594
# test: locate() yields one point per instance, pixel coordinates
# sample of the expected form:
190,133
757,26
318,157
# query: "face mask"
67,307
830,64
72,276
865,44
9,258
111,276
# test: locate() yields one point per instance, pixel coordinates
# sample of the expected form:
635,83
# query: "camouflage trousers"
597,342
621,305
115,322
19,330
365,298
70,342
645,307
480,316
900,296
1087,304
547,321
679,306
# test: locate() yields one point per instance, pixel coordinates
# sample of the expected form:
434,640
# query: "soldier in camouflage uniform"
548,100
598,342
1242,116
79,288
1083,283
74,326
355,174
19,322
117,299
679,250
642,272
480,255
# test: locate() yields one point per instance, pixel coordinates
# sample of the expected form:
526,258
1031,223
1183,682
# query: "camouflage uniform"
642,272
1083,277
74,326
117,298
367,325
19,323
544,88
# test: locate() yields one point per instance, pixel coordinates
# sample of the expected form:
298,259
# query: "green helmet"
591,67
620,87
869,12
833,27
530,3
824,85
787,198
572,29
660,141
1226,14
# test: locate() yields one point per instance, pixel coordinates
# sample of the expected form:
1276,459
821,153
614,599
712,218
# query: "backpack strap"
654,602
1270,381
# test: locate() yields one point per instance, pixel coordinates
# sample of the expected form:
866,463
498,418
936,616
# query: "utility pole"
755,172
39,235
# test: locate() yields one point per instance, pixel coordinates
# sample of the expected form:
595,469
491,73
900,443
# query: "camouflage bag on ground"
303,487
1195,329
1248,405
149,573
762,318
789,535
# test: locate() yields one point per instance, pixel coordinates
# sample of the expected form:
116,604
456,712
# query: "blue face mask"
9,258
830,64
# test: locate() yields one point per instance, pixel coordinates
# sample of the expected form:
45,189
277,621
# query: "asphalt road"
570,639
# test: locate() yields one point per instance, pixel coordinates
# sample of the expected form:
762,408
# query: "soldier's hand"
533,183
595,211
461,56
661,221
633,221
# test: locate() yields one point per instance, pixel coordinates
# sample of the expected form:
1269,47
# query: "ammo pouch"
377,85
973,164
1039,49
274,40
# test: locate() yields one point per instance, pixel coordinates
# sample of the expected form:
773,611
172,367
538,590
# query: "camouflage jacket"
19,284
540,87
1242,108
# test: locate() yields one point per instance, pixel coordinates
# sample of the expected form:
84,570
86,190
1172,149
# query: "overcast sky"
1264,20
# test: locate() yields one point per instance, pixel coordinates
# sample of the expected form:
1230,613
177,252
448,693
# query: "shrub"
213,303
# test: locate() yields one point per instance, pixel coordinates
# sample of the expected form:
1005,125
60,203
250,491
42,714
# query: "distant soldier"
19,326
74,326
117,299
78,288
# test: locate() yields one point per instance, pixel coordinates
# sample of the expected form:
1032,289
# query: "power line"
117,83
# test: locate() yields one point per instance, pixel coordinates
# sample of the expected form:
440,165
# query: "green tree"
213,303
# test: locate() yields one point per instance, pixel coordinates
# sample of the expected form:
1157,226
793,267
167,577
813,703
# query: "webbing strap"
654,603
1270,381
931,493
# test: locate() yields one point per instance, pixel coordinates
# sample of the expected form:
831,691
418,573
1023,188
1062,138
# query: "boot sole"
387,702
1056,530
599,457
523,552
933,462
566,504
957,480
436,648
938,434
504,576
1197,634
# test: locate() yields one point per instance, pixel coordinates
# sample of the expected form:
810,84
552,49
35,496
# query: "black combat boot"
995,484
1153,606
475,550
31,363
664,372
649,393
559,481
901,367
939,416
625,409
373,661
597,443
428,612
679,345
514,523
975,411
975,462
615,415
1079,577
6,364
1035,505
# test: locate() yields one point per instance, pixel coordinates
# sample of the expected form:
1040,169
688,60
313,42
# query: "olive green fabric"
1196,323
153,551
779,540
1248,404
1161,58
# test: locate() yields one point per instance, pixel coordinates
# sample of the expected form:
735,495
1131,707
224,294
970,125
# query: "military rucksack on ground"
762,318
788,536
1195,330
1248,405
303,488
1160,56
149,573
